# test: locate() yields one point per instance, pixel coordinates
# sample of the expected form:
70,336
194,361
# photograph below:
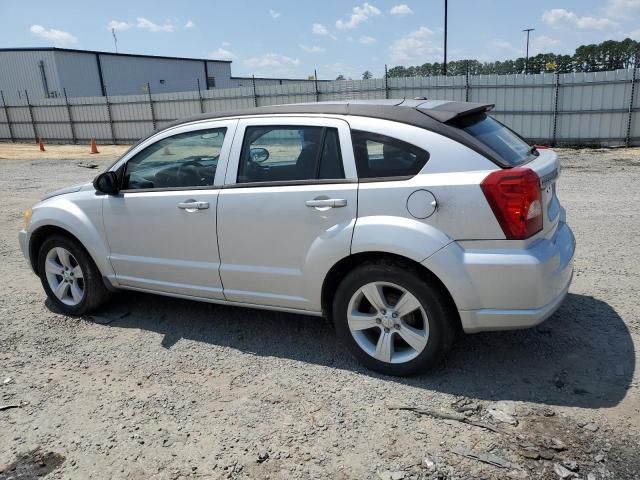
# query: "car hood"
71,189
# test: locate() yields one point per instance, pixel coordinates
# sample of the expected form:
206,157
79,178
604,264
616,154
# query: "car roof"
419,112
432,115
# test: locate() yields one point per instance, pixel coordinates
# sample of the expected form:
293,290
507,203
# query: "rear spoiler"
447,111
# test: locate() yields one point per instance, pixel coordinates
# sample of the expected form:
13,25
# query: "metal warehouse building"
49,72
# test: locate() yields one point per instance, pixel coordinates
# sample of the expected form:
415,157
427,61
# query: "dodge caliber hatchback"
403,221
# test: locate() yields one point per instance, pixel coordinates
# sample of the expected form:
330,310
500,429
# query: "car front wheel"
69,276
392,319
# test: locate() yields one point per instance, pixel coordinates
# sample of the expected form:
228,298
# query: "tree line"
608,55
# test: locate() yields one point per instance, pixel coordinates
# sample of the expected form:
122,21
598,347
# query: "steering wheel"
196,163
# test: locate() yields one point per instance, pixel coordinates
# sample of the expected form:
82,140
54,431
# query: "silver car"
404,221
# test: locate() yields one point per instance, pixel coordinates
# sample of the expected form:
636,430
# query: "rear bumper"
507,288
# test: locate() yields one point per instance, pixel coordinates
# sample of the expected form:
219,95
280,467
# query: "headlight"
27,217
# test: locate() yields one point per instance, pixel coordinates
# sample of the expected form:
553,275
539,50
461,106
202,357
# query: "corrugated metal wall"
568,109
162,74
78,73
20,71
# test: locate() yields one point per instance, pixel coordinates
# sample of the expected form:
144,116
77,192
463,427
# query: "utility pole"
526,61
444,65
115,39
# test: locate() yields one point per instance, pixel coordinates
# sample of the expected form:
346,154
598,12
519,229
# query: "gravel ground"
164,388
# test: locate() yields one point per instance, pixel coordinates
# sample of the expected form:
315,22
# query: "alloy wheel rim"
64,276
388,322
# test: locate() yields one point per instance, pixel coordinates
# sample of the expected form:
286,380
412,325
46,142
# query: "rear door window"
290,153
380,156
499,138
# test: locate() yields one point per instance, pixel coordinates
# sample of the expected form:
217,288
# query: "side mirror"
106,182
259,154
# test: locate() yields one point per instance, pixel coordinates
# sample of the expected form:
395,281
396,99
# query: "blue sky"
291,38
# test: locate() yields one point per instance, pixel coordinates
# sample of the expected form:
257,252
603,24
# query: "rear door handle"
327,203
192,206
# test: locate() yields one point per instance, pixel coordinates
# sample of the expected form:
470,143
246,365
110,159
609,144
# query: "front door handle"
327,203
192,205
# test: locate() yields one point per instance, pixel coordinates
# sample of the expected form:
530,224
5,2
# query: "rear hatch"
547,167
512,151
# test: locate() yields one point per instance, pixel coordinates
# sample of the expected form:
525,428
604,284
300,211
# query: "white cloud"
274,14
359,15
365,40
312,49
635,35
545,44
341,69
402,9
416,46
145,24
505,46
118,25
226,44
189,24
622,8
57,37
222,54
559,17
272,60
319,29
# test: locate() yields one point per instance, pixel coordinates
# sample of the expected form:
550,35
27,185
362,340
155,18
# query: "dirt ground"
164,388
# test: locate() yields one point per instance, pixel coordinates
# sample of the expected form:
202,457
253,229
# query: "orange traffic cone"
41,144
94,146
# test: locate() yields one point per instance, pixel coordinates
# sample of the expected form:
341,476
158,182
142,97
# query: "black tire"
441,314
95,292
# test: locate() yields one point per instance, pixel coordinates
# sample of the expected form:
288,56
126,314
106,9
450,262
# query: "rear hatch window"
512,149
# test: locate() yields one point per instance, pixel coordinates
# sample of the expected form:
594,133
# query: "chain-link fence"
598,108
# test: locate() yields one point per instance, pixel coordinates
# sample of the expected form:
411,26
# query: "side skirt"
224,302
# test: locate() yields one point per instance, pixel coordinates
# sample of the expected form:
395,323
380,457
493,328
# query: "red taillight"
515,198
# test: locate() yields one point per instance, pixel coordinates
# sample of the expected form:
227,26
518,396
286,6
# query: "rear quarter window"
511,148
379,156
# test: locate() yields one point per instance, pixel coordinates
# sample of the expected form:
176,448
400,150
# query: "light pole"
444,66
526,61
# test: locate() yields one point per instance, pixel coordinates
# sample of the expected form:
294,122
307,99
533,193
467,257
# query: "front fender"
407,237
80,214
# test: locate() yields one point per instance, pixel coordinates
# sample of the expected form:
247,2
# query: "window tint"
331,160
381,156
185,160
506,143
289,153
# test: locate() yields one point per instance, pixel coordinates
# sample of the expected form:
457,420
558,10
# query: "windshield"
511,148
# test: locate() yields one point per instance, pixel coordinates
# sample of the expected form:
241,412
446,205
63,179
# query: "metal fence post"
109,116
153,113
255,94
627,138
6,114
200,97
555,110
386,81
33,122
315,83
73,129
466,82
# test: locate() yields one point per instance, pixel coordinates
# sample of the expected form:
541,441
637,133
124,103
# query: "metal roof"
98,52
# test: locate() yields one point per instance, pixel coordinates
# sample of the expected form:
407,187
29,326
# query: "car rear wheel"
392,319
69,277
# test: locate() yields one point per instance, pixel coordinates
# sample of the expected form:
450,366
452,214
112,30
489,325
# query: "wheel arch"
344,266
40,234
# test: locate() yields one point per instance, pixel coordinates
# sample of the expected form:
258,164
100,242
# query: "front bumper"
22,238
507,288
